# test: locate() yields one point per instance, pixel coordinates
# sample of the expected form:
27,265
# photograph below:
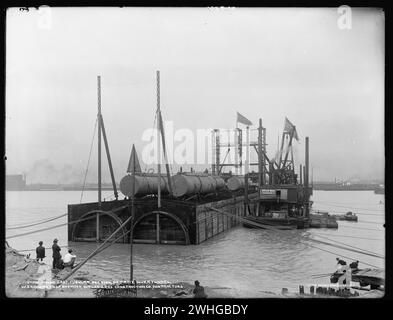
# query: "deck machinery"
184,208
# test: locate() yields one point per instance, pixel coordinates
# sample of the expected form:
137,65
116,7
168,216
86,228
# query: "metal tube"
235,183
141,185
187,184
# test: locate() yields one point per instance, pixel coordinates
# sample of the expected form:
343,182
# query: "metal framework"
237,147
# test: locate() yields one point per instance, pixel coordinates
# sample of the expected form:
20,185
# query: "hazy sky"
264,63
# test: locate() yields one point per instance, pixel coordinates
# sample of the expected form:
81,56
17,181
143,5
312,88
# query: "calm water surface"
248,260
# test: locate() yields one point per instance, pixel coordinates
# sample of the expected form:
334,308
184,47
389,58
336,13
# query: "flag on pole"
243,119
289,127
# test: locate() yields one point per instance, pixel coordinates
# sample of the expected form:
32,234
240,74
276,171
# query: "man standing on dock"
56,254
199,291
40,251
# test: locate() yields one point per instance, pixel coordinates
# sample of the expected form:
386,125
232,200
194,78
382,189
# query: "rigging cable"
88,161
272,228
330,204
61,225
154,126
371,265
360,228
36,223
354,237
342,243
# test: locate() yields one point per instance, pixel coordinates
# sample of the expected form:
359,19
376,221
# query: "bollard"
301,289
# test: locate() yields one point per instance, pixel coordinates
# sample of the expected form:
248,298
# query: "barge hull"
176,222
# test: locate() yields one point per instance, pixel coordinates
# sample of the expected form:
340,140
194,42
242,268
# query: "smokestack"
306,181
261,173
300,175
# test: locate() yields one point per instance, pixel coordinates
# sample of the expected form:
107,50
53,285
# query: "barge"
176,222
190,207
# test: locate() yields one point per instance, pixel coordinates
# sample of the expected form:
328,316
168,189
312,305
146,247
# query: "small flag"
133,164
289,127
243,119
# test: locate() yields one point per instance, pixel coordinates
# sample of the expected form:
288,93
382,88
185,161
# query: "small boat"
277,220
349,216
322,219
379,190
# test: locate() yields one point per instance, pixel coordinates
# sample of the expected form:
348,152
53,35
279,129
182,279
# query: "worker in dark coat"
354,265
56,254
40,251
199,291
341,262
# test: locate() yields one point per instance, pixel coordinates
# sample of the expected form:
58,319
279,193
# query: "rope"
338,235
88,161
335,254
360,228
330,204
61,225
98,250
353,250
25,250
154,125
36,223
372,222
380,255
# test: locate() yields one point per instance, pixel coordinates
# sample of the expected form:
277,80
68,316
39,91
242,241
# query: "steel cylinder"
144,185
235,183
183,184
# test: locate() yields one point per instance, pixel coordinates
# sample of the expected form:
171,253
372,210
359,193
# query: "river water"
249,261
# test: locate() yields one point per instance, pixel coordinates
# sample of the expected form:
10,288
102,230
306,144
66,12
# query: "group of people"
58,262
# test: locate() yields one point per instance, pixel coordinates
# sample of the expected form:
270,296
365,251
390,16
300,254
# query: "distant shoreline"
109,188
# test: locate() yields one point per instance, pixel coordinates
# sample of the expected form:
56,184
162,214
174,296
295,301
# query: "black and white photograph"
195,153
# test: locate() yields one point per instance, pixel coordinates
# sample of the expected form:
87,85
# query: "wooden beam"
109,159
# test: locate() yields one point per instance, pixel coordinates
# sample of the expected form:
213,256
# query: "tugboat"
276,219
349,216
380,190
